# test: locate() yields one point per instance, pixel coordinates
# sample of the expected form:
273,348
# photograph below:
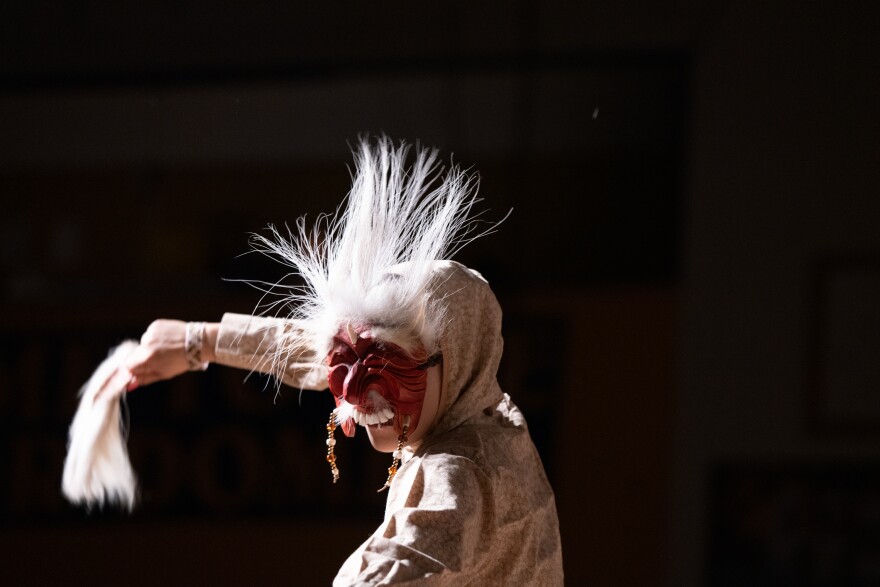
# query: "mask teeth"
367,419
385,415
381,411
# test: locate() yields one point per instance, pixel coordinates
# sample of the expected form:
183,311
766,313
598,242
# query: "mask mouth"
376,410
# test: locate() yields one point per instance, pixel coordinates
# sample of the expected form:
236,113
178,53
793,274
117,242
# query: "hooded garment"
470,505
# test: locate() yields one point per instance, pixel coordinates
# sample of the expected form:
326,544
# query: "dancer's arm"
245,342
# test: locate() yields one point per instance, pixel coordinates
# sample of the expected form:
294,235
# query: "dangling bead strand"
331,443
398,453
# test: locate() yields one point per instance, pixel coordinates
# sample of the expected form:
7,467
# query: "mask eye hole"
340,355
434,359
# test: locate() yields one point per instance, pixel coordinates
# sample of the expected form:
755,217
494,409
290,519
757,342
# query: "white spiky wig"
370,263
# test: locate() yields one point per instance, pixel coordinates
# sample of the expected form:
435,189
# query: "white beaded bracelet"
192,344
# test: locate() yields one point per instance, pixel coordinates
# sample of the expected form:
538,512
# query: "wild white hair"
371,263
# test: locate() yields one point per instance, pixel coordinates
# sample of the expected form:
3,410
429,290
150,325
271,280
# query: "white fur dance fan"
97,468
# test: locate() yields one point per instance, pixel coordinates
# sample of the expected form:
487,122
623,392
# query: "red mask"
368,365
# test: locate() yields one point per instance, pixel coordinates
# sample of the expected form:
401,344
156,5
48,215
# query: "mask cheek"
381,392
408,402
387,385
336,381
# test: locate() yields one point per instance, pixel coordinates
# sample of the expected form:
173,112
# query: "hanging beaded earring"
331,443
392,470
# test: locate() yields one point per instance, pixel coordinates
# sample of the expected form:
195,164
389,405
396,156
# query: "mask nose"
351,388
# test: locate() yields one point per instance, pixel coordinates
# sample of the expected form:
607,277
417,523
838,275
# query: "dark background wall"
689,275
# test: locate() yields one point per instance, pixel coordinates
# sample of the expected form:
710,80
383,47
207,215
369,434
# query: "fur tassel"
97,468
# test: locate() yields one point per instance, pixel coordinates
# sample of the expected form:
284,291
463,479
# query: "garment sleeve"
433,534
257,343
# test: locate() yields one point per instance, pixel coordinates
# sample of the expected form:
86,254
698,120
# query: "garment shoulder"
439,512
433,478
457,520
486,442
506,458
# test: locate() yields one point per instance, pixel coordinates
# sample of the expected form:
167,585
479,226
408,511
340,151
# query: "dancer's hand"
162,353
